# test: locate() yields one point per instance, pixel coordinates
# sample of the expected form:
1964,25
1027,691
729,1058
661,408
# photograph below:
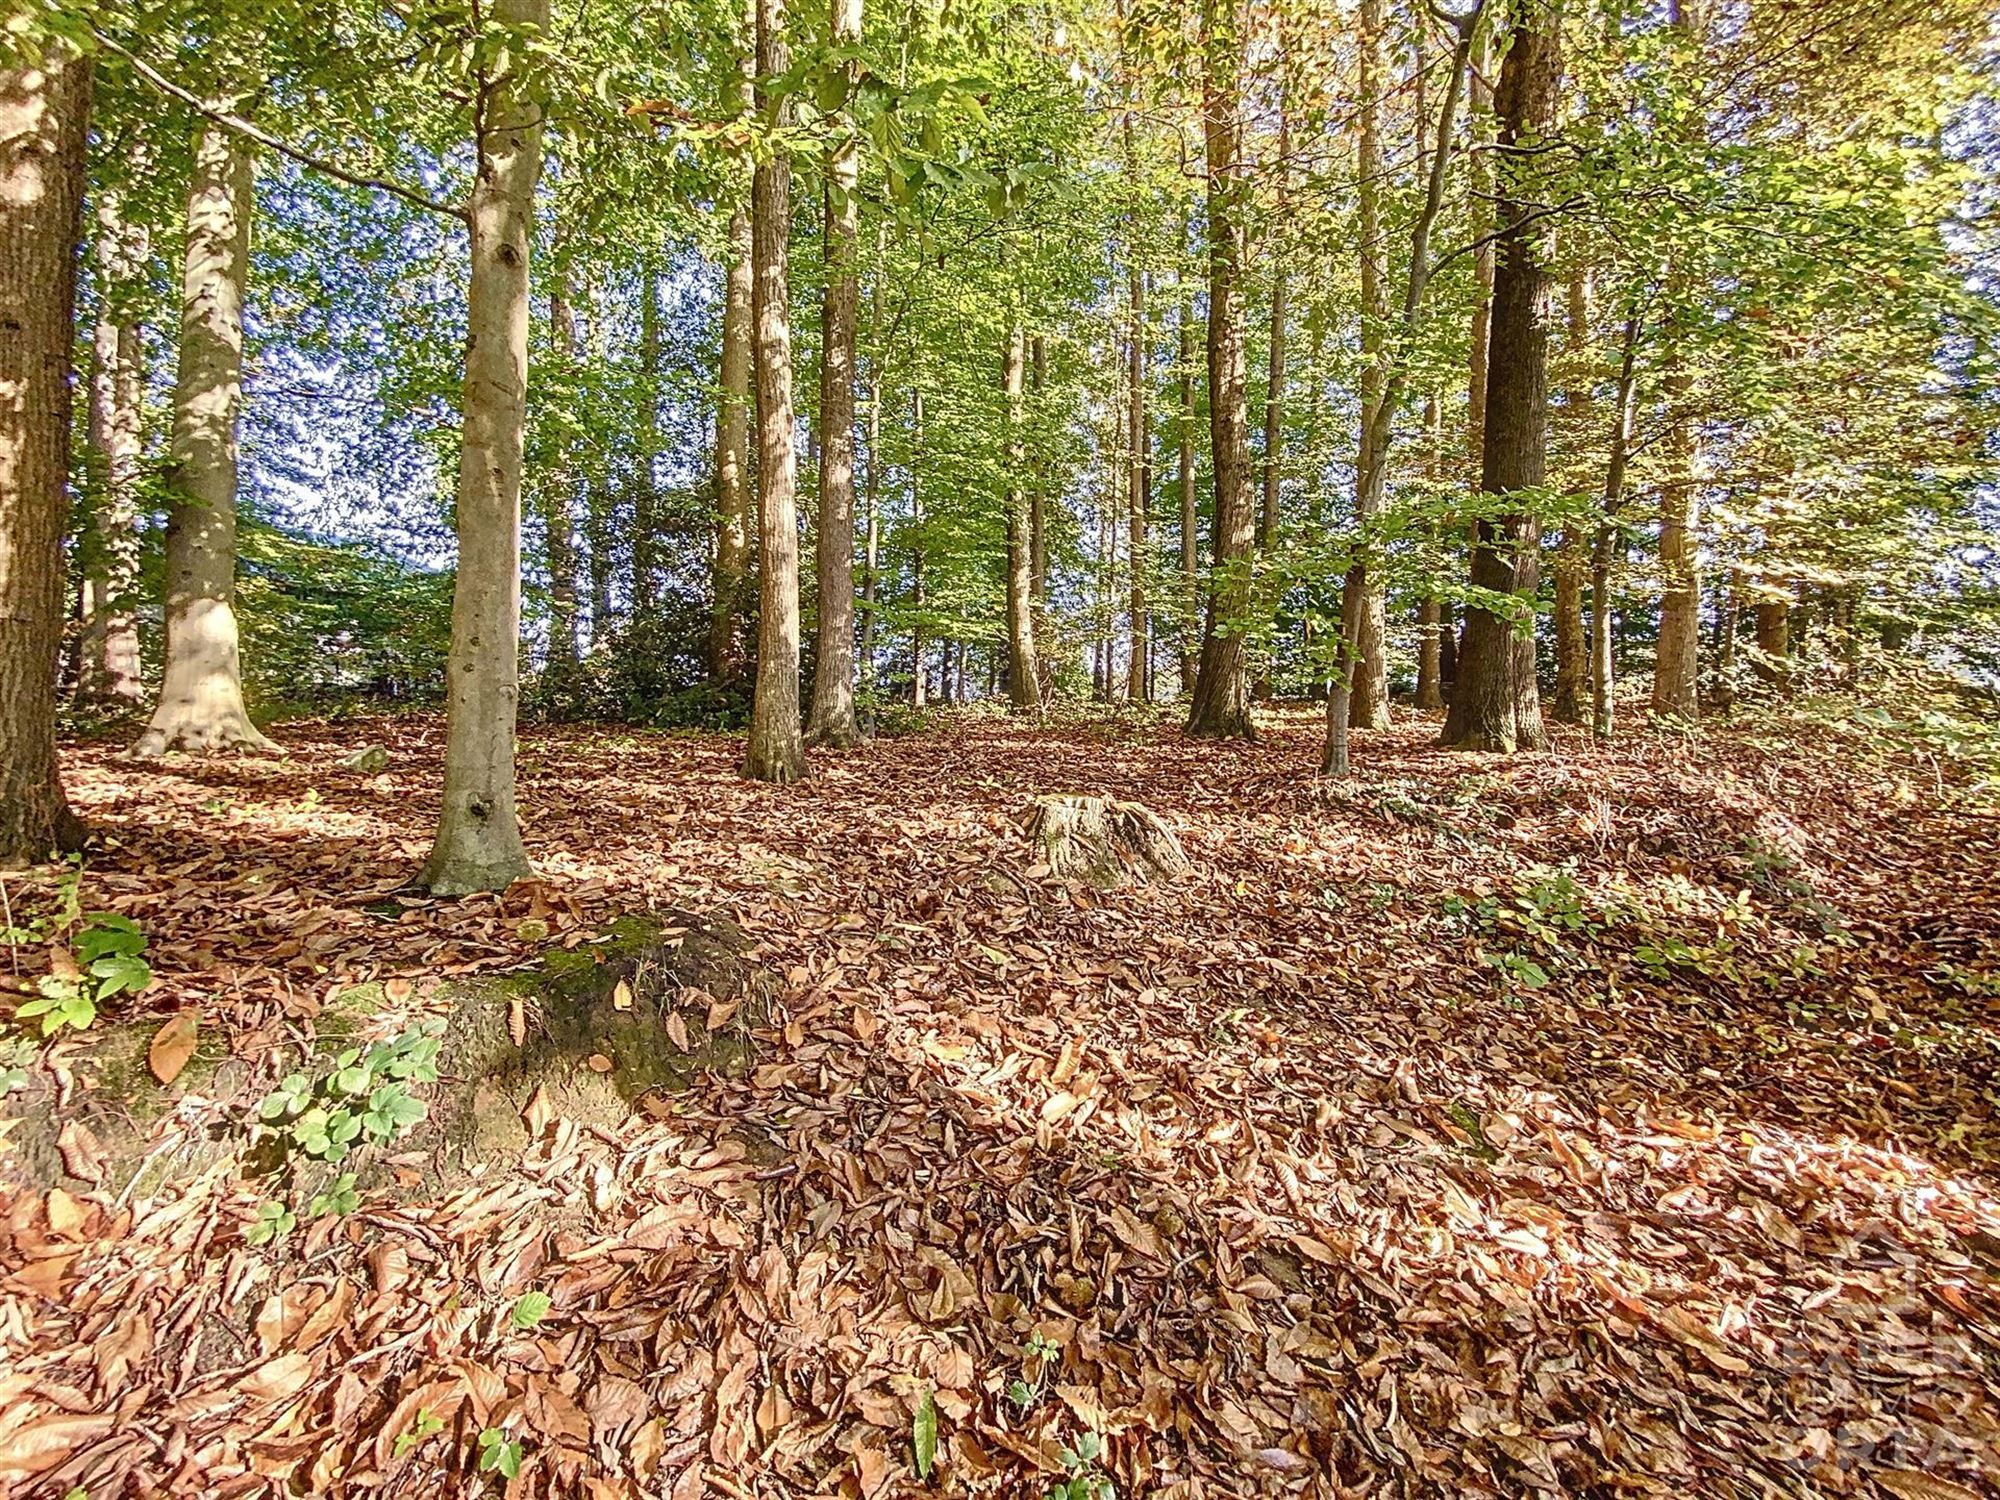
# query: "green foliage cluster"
364,1098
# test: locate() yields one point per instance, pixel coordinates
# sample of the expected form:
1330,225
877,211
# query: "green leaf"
924,1436
530,1310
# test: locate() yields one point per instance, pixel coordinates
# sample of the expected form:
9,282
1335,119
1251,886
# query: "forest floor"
1613,1122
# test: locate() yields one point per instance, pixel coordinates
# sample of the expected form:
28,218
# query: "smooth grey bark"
918,681
110,645
1363,610
1573,556
109,665
478,843
832,721
776,748
200,707
44,114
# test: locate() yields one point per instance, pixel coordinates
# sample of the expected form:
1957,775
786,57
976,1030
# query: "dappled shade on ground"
1285,1176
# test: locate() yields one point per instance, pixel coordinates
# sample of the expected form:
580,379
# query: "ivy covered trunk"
1221,700
200,708
44,112
478,844
776,750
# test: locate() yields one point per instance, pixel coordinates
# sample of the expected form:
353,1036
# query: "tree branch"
248,131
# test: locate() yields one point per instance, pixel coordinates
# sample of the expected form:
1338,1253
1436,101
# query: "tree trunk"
1038,520
1774,643
108,667
1432,629
832,721
776,750
1603,645
1024,680
871,562
110,655
558,521
599,533
44,117
1573,556
1221,702
201,692
646,495
1430,688
1139,495
1495,706
732,433
478,846
917,678
1190,614
1363,608
1676,667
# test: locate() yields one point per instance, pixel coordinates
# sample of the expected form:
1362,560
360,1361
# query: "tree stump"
1101,841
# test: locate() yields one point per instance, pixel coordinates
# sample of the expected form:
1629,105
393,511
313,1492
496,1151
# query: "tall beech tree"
200,706
776,748
478,842
832,722
1220,703
1024,675
44,114
1494,705
109,669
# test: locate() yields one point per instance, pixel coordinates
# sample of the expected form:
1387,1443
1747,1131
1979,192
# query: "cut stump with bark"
1103,842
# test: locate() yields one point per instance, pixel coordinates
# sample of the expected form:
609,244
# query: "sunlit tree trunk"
1774,642
734,521
478,845
1038,506
832,721
44,115
871,587
1139,491
1676,667
558,519
1603,646
1024,679
1495,705
1363,613
1221,700
776,750
646,501
1432,628
1190,612
201,692
919,683
110,655
1573,557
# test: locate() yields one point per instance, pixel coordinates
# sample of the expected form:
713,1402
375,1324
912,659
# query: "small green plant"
427,1424
366,1096
499,1454
1037,1355
1083,1480
108,951
273,1222
338,1198
529,1311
